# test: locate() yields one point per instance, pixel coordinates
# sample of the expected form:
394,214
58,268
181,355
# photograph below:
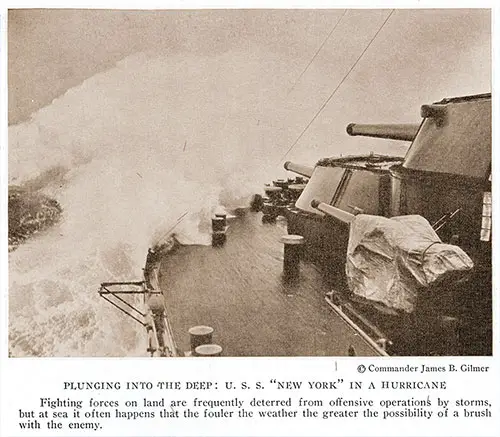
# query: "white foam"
142,144
120,135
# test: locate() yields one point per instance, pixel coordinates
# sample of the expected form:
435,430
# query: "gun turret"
303,170
402,132
332,211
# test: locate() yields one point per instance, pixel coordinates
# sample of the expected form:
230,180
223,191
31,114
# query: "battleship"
368,255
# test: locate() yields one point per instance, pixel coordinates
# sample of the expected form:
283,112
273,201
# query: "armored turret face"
454,139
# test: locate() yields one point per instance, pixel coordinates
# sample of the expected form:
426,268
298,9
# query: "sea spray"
140,145
132,150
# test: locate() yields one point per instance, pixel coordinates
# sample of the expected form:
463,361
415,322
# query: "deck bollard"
219,230
218,239
218,224
208,350
257,202
291,260
223,217
282,183
200,335
273,192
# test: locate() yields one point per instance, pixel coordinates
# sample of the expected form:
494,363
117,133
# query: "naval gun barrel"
303,170
332,211
402,132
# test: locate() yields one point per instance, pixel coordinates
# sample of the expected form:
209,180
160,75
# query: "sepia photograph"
249,182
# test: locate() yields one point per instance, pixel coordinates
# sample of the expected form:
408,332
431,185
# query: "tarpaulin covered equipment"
389,260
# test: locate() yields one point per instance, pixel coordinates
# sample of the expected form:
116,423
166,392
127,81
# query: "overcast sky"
246,62
417,51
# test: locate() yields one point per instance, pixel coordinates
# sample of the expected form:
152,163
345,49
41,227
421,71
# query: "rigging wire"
179,220
336,89
317,52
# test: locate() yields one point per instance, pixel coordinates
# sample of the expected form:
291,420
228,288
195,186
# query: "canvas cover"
389,260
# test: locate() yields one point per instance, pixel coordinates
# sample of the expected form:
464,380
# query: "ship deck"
238,290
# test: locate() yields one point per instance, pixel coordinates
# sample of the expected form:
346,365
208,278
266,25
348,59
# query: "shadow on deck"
237,289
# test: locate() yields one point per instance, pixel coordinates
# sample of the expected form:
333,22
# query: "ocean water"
126,153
